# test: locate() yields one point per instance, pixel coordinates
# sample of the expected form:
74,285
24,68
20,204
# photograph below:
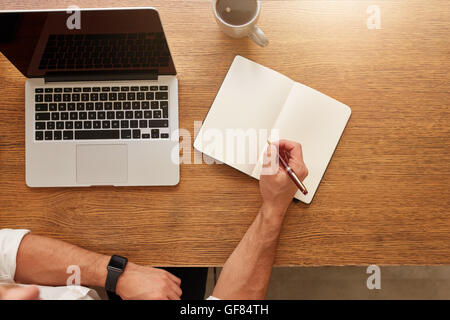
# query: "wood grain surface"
384,198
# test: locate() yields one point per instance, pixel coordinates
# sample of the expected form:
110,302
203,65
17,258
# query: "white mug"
238,24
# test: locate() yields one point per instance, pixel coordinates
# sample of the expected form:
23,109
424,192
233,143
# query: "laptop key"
39,98
136,134
48,135
64,115
101,115
129,115
40,125
145,136
134,124
57,135
125,134
52,107
115,124
106,124
157,114
155,133
165,111
50,125
120,115
42,116
96,134
162,96
60,125
87,124
69,124
39,135
124,124
147,114
78,125
41,107
142,123
67,135
149,96
110,115
97,125
164,135
55,116
158,123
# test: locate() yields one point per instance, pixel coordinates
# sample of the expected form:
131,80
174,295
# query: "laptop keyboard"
100,113
87,51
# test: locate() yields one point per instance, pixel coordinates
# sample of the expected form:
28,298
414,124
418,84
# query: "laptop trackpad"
102,164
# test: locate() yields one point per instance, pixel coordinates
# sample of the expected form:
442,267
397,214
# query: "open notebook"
257,101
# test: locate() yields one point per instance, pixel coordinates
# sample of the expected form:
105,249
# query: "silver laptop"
101,100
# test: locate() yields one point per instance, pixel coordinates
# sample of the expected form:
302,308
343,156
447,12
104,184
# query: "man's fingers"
293,149
173,296
174,278
177,290
292,152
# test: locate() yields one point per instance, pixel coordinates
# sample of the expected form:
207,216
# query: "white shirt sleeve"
9,245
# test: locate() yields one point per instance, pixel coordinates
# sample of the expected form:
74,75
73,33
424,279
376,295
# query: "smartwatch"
116,266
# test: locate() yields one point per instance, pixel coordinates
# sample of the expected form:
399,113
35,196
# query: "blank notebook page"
251,96
317,122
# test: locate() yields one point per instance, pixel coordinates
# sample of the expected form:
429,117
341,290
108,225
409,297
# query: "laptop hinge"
112,75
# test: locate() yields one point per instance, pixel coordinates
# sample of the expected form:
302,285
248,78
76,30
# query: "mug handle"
258,36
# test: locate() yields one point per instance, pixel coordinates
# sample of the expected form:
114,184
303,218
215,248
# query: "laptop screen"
118,40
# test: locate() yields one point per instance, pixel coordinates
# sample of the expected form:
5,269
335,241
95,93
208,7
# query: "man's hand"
147,283
15,292
278,189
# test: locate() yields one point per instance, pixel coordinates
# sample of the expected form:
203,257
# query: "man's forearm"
246,273
44,261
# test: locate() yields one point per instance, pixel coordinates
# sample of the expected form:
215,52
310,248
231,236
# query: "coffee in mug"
237,18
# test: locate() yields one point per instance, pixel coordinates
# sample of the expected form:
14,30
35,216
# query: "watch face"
118,262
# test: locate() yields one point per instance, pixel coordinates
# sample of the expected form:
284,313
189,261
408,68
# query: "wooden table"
384,198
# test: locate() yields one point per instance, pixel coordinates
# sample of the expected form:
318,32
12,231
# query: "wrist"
275,211
123,278
98,272
272,215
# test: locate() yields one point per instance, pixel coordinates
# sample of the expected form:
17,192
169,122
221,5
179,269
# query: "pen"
292,174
